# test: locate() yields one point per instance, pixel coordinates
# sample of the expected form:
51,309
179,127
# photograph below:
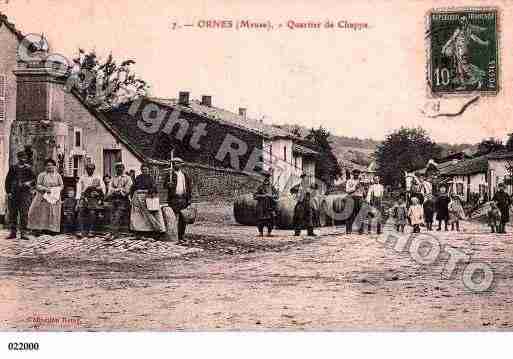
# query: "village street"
231,280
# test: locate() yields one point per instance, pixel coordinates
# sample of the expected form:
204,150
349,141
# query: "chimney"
206,100
243,112
183,98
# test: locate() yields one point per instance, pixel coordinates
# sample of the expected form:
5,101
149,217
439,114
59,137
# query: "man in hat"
503,201
355,193
118,195
375,200
179,195
18,186
89,195
303,212
352,182
266,196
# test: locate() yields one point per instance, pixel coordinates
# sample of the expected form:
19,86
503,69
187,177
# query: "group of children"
449,210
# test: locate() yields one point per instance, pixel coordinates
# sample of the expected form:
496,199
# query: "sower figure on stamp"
18,186
266,196
303,213
503,201
119,190
179,187
90,194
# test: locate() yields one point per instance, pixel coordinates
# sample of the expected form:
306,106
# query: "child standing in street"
69,214
400,214
429,211
416,214
456,212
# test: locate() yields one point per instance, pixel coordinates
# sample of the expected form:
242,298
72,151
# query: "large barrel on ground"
286,206
244,210
332,208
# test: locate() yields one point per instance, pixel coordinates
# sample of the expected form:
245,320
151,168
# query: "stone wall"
214,184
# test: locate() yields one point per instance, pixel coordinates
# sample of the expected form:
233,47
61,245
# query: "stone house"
222,149
477,176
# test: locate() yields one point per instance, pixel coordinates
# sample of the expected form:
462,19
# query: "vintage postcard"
255,166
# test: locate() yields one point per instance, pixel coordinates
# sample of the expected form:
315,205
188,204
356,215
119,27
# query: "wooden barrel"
332,208
244,210
318,217
286,206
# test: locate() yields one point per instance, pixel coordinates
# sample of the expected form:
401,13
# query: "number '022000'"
23,346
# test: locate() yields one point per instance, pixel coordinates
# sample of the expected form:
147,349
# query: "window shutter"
68,172
3,96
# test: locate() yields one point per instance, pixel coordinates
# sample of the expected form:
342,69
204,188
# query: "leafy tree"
405,149
327,168
103,83
489,145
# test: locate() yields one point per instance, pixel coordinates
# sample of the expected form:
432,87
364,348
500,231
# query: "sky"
356,83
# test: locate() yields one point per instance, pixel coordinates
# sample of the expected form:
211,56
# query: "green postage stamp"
463,51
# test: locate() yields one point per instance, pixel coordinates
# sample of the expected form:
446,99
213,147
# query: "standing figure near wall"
45,210
118,192
18,186
179,197
266,196
303,212
90,194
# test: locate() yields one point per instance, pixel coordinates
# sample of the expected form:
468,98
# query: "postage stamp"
463,51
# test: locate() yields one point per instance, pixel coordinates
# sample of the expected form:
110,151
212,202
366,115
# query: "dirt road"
236,281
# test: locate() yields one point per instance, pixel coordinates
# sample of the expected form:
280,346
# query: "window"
78,138
459,188
3,96
285,153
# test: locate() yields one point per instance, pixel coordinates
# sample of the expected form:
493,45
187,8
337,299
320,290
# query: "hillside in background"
360,151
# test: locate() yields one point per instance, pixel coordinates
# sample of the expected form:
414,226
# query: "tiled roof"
304,150
10,26
466,167
225,117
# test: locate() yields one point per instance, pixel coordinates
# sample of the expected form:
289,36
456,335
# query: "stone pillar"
39,111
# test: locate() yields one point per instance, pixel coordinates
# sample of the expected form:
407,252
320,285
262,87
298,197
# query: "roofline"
99,116
221,121
10,25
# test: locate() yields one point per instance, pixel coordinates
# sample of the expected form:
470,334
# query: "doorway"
110,158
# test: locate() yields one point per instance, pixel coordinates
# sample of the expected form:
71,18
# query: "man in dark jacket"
18,186
303,212
266,196
442,208
503,201
179,195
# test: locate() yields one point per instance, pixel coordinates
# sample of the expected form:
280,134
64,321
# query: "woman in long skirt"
142,220
45,210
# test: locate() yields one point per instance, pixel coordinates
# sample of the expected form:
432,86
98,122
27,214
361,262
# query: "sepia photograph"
256,166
